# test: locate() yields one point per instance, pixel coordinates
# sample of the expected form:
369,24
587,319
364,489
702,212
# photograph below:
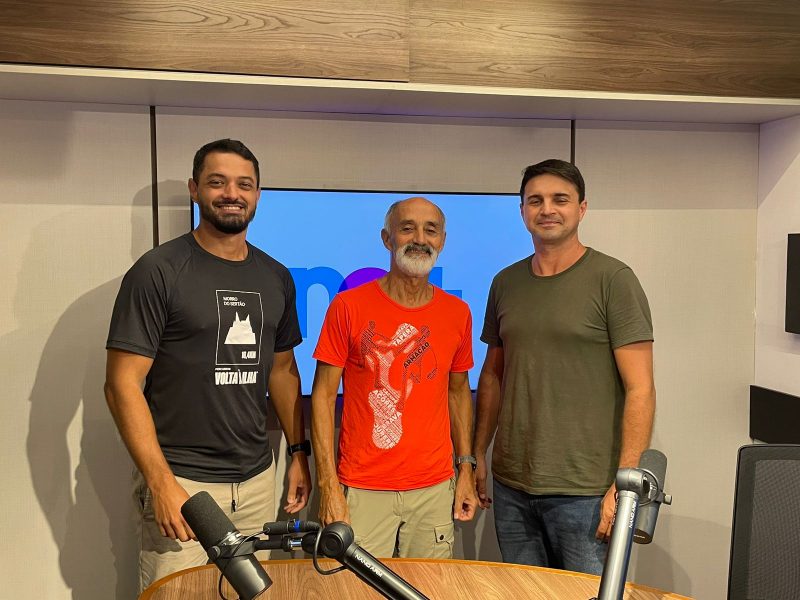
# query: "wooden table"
437,579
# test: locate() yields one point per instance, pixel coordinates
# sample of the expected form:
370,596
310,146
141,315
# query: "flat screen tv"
330,241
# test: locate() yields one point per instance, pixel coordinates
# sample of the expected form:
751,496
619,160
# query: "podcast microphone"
221,540
654,465
641,486
337,541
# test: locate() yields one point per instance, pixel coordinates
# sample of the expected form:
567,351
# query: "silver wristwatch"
467,458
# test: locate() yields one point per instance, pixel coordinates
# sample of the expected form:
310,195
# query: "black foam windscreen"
655,462
206,519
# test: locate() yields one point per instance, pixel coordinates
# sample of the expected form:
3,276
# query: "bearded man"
403,347
208,323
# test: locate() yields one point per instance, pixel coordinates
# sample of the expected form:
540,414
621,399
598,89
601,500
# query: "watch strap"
467,458
304,446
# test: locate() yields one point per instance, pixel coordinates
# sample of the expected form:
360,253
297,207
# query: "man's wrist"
466,461
304,447
160,481
330,490
465,470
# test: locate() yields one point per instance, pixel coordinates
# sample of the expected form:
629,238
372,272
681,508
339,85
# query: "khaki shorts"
160,556
411,524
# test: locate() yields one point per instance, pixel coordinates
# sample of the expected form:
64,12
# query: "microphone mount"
635,487
281,535
335,541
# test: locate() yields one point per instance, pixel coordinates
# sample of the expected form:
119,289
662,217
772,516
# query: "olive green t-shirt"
562,397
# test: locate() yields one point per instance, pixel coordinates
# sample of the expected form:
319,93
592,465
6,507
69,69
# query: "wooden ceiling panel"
346,39
709,47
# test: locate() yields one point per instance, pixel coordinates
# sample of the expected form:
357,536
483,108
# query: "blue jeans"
548,531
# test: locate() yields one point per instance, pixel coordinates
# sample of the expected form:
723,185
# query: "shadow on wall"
174,215
658,567
92,523
476,539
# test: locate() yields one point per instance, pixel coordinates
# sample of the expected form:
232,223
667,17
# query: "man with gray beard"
403,347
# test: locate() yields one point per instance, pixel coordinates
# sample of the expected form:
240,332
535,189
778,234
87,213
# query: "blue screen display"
330,240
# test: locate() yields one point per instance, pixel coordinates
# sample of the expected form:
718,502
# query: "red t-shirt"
395,432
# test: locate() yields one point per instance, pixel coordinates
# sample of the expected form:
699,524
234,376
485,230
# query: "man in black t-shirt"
208,323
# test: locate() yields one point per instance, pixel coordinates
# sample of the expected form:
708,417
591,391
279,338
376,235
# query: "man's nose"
548,207
229,191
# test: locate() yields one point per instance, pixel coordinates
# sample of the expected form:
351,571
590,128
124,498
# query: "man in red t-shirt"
404,348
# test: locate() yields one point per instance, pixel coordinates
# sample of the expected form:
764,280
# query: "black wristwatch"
304,446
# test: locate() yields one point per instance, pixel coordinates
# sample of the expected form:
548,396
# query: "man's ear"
192,189
386,239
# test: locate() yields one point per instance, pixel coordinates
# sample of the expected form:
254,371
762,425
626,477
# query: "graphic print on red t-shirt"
396,363
408,346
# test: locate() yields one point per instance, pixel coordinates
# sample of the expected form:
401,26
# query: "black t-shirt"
211,326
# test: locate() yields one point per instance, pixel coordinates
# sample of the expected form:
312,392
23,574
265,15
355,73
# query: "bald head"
401,206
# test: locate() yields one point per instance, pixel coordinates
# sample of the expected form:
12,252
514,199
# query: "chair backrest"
765,542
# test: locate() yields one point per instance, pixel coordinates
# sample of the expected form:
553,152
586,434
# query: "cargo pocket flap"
444,533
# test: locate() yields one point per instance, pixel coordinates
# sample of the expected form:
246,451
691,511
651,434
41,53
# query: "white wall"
677,203
75,212
777,352
356,153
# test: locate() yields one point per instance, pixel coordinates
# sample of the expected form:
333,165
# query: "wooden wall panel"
709,47
349,39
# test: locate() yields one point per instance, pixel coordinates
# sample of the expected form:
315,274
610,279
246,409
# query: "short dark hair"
559,168
226,146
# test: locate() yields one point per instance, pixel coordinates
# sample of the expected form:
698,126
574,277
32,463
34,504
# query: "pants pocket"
146,503
444,538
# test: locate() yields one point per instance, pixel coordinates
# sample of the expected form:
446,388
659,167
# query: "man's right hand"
167,501
480,481
333,506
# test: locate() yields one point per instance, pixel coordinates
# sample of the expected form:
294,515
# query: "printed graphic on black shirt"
239,335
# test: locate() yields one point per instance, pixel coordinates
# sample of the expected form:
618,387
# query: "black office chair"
765,542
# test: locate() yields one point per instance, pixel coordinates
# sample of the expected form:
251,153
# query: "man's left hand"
608,508
299,483
466,501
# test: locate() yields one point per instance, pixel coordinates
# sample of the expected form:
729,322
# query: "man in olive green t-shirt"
567,384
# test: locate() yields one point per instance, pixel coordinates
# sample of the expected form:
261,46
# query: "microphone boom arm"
631,485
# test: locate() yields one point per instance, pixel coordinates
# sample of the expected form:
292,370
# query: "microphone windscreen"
655,462
206,519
